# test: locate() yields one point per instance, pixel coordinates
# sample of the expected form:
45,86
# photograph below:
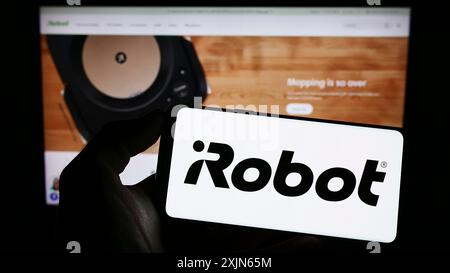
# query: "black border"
29,223
231,3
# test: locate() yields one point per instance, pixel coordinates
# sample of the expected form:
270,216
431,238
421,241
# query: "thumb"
118,141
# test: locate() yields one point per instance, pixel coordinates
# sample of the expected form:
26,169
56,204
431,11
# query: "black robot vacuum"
111,78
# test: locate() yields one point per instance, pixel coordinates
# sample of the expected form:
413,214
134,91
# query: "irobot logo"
285,167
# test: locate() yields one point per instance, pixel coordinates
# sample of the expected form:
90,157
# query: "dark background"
27,224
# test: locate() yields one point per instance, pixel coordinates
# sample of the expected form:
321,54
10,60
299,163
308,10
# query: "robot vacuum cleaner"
111,78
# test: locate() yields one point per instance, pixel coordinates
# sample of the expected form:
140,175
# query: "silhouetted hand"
103,215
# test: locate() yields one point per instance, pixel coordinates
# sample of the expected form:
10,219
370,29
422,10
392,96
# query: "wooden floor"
254,70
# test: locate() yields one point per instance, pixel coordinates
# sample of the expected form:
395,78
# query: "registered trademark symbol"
383,164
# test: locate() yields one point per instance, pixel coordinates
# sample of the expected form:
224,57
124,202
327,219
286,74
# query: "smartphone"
283,173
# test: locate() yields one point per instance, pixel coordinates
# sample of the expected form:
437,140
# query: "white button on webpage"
299,109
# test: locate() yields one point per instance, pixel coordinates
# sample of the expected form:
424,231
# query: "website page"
103,64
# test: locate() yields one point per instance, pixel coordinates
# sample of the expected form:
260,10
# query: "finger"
118,141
